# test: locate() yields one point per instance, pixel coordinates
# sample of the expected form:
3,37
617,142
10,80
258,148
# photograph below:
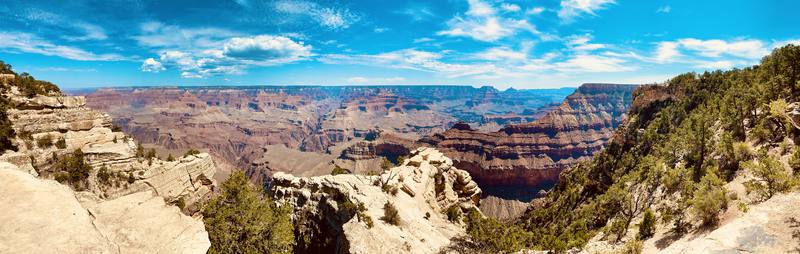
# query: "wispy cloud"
18,42
482,23
664,9
374,80
572,9
334,18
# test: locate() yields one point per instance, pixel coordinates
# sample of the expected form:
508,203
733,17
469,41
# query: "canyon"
251,128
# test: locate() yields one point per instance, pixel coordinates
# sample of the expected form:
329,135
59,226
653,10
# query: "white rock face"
43,216
419,194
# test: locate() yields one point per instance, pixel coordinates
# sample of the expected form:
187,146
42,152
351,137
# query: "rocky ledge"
121,204
346,209
50,218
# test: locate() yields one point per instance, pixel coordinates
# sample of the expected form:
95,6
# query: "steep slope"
530,156
706,163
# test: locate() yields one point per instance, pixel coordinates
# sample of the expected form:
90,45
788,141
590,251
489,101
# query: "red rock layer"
533,154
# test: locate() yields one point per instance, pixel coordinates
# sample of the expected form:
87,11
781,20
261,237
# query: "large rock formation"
124,203
532,155
43,216
426,185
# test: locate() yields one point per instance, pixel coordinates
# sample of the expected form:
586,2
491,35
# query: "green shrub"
151,154
491,236
191,152
709,199
648,226
44,141
170,158
338,170
632,247
116,128
131,179
140,151
103,176
794,161
454,213
242,220
771,177
73,169
390,188
6,130
61,143
390,214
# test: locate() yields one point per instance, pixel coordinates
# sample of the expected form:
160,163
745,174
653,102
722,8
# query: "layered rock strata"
427,184
123,204
531,155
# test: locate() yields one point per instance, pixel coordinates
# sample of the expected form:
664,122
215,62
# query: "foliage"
61,143
191,152
771,177
454,213
386,164
648,226
103,176
709,198
170,158
494,236
139,151
73,169
6,130
30,87
690,141
338,170
632,247
390,214
45,141
243,220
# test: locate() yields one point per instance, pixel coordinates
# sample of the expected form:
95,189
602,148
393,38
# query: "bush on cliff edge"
243,220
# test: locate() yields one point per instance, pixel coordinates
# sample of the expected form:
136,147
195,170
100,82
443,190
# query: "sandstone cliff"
122,203
530,156
426,185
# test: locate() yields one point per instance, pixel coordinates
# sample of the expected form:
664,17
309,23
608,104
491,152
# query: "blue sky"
503,43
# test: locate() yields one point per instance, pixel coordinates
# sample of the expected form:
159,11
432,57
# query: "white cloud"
233,55
380,29
581,43
510,7
158,35
664,9
412,59
667,52
482,24
724,64
417,12
501,54
593,63
479,8
152,65
423,39
571,9
29,43
535,11
364,80
266,49
332,18
747,48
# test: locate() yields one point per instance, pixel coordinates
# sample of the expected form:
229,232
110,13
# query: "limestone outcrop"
121,203
43,216
422,189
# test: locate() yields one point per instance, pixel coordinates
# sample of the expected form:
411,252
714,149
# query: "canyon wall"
520,159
